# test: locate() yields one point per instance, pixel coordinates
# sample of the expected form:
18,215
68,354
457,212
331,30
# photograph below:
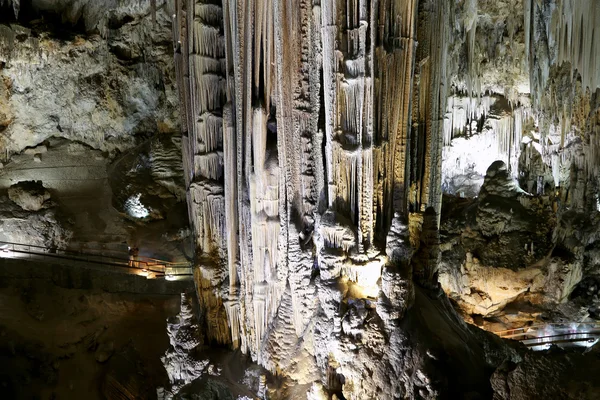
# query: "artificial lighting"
135,208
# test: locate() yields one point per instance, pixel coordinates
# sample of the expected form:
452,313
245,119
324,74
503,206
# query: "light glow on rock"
135,208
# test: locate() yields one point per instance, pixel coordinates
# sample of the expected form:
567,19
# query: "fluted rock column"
199,60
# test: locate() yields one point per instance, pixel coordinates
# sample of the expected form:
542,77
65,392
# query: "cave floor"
55,341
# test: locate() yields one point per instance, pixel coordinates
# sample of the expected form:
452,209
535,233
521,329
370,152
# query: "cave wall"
534,106
103,83
89,106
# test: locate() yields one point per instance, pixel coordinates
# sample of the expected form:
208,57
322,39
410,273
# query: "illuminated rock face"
524,93
312,150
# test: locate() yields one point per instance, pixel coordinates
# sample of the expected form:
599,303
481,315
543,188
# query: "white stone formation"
290,190
314,137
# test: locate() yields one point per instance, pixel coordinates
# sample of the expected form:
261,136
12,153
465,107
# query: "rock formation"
29,195
317,135
364,181
313,141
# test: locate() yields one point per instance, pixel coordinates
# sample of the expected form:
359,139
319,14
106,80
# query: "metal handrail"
589,340
564,333
500,333
139,263
147,260
560,335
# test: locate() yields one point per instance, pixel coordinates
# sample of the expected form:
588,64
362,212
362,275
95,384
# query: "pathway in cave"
542,336
145,266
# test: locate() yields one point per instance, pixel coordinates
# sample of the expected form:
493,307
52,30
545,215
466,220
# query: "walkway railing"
146,266
541,336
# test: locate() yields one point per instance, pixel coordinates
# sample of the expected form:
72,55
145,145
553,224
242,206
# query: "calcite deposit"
318,137
364,181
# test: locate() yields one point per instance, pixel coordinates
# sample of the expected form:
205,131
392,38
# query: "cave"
299,199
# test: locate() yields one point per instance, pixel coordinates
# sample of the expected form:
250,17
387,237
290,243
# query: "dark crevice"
52,22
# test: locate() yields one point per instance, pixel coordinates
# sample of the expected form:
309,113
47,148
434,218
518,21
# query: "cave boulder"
30,195
498,182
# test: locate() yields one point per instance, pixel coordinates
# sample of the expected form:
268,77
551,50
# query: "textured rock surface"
100,89
29,195
40,228
309,170
557,374
147,181
316,136
184,338
88,98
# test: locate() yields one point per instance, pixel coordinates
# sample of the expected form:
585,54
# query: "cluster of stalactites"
258,79
470,27
465,117
574,30
570,28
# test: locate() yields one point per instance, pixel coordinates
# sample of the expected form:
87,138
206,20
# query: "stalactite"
429,130
564,59
574,28
199,49
300,147
16,4
470,27
477,130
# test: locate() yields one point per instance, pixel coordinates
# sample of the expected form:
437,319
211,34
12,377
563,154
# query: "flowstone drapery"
299,151
314,139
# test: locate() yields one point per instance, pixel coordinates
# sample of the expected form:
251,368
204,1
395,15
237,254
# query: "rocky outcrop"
510,249
504,227
556,374
29,195
179,360
45,227
103,84
498,182
486,290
